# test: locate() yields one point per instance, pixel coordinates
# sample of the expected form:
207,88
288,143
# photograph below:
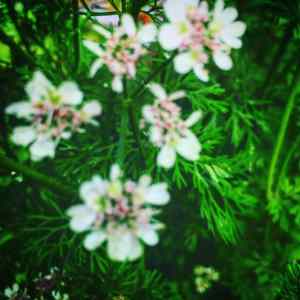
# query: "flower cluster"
167,129
204,278
196,33
119,212
122,49
53,114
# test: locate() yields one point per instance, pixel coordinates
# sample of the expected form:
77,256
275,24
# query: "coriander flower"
226,34
52,113
120,213
122,49
198,34
167,130
12,292
204,277
58,296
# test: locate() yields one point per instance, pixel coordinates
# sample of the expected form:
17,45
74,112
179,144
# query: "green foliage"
220,201
290,283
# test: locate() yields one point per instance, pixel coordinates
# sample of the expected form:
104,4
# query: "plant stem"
136,132
44,180
281,134
161,67
288,157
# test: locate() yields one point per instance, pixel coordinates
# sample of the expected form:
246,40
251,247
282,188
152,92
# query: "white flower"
53,114
12,292
58,296
168,131
155,194
198,35
119,214
122,49
224,27
172,35
194,59
226,34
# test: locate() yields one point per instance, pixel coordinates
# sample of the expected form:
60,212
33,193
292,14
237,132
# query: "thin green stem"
44,180
136,132
151,76
288,157
281,135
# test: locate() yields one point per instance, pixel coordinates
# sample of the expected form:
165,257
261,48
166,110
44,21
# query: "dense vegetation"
236,209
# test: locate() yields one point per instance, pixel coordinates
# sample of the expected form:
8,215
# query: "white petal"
177,95
201,73
232,41
82,217
157,90
102,31
117,84
229,15
155,134
94,239
70,93
96,65
108,20
92,190
189,147
23,135
191,2
148,235
236,29
222,60
157,194
22,109
193,118
166,157
175,10
122,245
169,37
82,223
218,9
136,249
115,172
92,108
147,34
128,25
145,180
38,87
93,47
76,210
183,63
42,148
148,113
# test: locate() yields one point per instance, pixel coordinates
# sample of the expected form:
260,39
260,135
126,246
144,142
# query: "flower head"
122,50
204,277
120,213
167,129
197,34
12,292
53,113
